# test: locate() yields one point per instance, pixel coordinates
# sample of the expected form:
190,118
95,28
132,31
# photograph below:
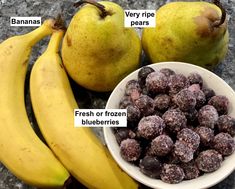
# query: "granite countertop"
50,8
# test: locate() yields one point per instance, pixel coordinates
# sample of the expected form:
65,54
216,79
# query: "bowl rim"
208,183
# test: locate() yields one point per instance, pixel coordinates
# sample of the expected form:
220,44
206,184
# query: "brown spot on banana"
25,63
68,40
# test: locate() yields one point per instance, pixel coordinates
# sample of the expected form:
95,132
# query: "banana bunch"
21,151
71,150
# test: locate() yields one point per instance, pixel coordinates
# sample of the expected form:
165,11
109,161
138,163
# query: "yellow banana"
77,148
21,151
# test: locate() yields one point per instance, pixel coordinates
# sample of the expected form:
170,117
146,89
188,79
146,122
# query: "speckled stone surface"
87,99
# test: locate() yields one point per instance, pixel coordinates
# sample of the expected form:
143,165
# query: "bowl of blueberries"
180,126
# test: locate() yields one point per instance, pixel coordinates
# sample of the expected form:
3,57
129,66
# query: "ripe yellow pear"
194,32
97,50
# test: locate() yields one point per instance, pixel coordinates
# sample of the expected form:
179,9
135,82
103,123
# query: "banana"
21,151
77,148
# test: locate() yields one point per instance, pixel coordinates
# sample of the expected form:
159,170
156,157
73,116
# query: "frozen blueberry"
200,98
220,103
172,174
185,100
150,127
145,105
143,73
162,102
198,94
134,95
191,116
175,120
124,102
133,113
183,151
209,161
208,116
194,87
177,82
224,144
195,78
130,150
161,145
190,170
206,135
156,82
226,124
123,134
167,72
132,85
150,166
190,137
172,158
208,93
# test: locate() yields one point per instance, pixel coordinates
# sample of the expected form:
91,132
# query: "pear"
193,32
97,50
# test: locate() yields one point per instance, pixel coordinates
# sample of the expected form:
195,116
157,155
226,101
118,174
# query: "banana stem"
59,23
36,35
101,7
223,16
55,40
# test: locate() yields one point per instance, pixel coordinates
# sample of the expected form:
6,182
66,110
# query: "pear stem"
223,16
101,7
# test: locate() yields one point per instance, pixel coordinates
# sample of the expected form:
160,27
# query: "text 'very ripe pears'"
98,51
188,32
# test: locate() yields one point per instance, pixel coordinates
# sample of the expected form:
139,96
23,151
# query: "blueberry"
185,100
145,105
131,86
209,161
224,144
130,150
156,82
226,124
175,120
208,116
133,113
150,166
143,73
162,102
151,126
220,103
195,78
177,82
172,174
206,135
208,93
161,145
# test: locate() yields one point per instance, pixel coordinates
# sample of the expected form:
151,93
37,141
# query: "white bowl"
210,79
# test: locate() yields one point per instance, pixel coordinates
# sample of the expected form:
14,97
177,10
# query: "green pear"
97,50
193,32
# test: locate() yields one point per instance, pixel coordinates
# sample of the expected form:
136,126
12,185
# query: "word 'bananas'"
21,151
77,148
